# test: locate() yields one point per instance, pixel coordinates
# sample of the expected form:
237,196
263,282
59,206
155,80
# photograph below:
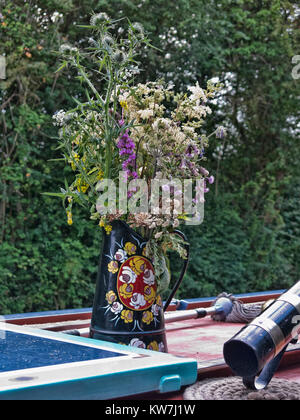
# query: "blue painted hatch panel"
20,351
38,364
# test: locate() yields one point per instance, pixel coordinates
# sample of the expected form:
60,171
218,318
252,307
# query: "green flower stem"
108,129
108,159
94,90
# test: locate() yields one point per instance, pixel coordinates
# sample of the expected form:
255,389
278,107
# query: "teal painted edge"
114,385
145,379
142,380
107,387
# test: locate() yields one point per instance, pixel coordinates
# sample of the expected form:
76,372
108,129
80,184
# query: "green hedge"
249,240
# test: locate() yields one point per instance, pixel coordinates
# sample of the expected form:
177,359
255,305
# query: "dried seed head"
119,57
107,41
99,19
68,49
138,27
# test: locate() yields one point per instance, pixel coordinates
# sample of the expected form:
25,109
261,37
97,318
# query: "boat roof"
201,340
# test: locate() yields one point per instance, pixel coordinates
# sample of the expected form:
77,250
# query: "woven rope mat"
232,388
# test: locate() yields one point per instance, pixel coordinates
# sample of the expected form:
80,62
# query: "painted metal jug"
127,308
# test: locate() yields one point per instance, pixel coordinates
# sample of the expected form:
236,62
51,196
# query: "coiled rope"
232,388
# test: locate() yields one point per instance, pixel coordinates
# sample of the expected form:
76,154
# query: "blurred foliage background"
250,238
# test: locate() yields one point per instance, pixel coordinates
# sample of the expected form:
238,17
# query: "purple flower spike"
126,148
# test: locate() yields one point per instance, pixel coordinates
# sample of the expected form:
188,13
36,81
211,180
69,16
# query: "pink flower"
211,179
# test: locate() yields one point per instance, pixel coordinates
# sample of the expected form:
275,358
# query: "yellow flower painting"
127,316
113,267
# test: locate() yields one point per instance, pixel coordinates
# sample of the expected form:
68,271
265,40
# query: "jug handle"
183,270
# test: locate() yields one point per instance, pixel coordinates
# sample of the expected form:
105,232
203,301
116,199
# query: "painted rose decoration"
148,277
137,301
137,272
127,276
121,255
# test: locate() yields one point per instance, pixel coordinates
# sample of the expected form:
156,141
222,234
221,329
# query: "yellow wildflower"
69,217
77,140
108,229
100,175
75,157
81,185
124,105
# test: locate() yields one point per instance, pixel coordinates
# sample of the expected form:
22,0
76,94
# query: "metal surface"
223,307
264,378
127,305
291,298
272,329
255,352
123,300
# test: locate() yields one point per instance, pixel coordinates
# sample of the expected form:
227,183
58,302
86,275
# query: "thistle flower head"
138,27
68,49
99,19
107,41
119,57
137,30
92,42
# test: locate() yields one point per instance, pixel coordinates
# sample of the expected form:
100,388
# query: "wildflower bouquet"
130,136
